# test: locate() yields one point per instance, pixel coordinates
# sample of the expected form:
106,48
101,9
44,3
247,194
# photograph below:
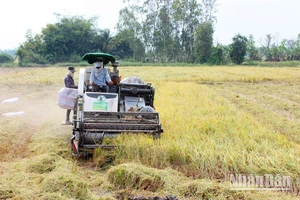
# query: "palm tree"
105,37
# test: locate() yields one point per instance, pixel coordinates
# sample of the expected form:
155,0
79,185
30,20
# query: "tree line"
151,30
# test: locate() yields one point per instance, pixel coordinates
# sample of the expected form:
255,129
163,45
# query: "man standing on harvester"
99,77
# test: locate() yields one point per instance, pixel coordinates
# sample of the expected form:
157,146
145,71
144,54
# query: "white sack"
65,98
12,114
13,100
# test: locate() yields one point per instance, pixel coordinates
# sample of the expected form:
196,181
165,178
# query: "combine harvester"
127,108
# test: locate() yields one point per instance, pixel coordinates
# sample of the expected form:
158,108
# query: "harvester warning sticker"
100,106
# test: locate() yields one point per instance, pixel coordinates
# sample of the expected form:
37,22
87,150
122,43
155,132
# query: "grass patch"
272,64
41,164
135,177
68,184
15,136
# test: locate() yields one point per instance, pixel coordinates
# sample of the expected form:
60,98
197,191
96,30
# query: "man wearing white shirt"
99,77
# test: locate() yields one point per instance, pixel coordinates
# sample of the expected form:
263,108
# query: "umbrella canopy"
100,57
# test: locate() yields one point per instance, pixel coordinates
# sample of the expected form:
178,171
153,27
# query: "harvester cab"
128,107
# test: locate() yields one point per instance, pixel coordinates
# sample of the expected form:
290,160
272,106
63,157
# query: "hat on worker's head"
72,69
98,64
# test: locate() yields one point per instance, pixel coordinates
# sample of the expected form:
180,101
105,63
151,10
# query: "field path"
39,104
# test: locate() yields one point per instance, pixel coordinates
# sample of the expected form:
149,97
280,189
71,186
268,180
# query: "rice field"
217,121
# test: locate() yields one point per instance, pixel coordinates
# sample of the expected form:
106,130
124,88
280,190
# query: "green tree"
188,15
209,9
32,50
252,50
204,41
66,40
70,36
6,58
176,53
103,40
283,50
238,49
290,48
217,56
163,35
296,49
121,48
167,28
266,48
130,29
21,53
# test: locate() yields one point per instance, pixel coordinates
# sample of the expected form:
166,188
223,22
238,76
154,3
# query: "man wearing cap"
99,77
69,83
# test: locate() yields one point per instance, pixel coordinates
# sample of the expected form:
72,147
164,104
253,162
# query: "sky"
280,18
17,16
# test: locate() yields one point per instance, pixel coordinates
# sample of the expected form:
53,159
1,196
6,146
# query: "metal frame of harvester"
126,108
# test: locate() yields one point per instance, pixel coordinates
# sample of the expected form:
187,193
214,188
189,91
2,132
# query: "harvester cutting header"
114,108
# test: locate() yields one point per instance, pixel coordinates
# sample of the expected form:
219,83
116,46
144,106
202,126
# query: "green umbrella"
100,57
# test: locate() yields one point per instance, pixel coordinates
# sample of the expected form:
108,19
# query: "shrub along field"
217,121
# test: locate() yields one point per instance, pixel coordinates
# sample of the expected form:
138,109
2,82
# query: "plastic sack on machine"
133,80
65,98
